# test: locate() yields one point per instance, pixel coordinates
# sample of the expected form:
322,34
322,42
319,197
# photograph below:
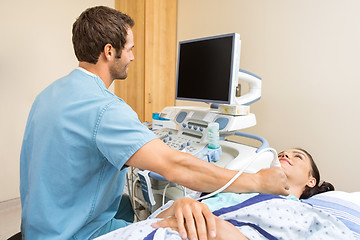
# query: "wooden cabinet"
150,85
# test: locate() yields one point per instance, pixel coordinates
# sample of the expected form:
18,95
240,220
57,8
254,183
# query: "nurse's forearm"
197,174
205,177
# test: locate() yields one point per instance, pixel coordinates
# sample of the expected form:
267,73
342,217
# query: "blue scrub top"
77,139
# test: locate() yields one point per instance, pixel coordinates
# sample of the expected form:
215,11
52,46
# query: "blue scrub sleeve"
120,133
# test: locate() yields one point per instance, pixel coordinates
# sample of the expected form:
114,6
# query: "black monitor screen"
205,69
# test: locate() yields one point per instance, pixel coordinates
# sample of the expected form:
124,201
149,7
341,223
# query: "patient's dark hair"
320,187
97,27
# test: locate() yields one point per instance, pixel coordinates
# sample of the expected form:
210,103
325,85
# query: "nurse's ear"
109,51
311,183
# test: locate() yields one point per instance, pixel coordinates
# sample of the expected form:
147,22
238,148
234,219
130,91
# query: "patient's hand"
272,181
190,218
225,230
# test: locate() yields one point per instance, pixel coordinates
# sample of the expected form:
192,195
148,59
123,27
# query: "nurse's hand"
193,219
272,181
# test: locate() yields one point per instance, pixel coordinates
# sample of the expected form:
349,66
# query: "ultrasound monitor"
208,69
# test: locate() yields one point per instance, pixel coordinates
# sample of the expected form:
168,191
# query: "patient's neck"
296,191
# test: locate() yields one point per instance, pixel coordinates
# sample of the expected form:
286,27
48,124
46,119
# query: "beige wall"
35,50
307,53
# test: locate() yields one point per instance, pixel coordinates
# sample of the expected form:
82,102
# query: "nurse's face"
297,167
120,65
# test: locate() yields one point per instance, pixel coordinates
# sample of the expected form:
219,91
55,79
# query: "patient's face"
297,167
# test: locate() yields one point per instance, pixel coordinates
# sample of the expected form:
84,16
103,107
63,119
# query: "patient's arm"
199,221
227,231
224,229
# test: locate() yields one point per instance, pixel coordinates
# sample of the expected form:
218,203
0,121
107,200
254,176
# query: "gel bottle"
213,135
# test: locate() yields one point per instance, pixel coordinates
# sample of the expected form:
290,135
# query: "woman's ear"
312,182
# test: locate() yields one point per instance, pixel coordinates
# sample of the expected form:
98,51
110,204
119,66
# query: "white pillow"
343,205
353,197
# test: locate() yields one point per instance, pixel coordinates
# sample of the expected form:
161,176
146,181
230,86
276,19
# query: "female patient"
303,178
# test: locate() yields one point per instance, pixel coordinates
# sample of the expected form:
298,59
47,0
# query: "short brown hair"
95,28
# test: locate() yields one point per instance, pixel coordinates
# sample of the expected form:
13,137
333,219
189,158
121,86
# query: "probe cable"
249,161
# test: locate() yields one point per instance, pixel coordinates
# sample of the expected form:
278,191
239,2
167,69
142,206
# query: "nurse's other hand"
272,181
194,220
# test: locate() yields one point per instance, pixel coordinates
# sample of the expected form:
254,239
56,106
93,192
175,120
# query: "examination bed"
330,215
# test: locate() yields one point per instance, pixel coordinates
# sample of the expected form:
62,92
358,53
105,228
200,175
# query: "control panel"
198,118
191,133
189,141
183,141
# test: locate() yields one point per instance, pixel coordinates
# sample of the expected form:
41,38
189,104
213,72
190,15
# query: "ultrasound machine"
208,71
